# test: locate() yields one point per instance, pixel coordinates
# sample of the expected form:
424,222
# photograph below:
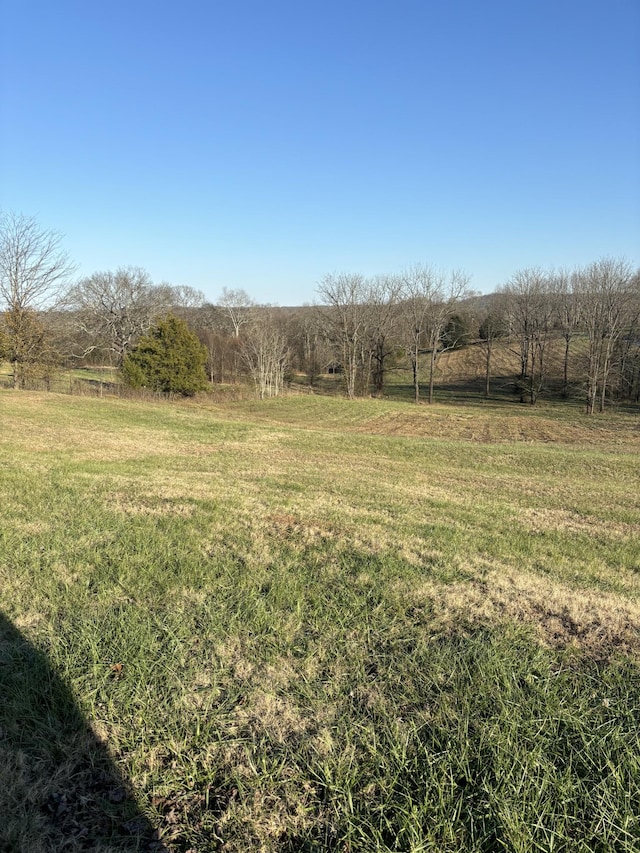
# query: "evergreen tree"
168,358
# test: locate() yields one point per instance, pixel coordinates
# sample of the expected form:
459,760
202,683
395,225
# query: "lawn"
310,624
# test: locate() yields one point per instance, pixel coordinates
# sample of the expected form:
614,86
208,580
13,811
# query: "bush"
168,358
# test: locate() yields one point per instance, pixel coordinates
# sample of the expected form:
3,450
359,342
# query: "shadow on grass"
59,789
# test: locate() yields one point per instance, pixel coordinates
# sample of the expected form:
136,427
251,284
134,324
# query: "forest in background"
562,334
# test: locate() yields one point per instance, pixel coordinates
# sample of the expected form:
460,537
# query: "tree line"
362,328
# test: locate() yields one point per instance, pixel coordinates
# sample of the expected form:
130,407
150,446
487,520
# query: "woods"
572,334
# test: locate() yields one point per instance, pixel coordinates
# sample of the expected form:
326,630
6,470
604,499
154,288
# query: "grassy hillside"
309,624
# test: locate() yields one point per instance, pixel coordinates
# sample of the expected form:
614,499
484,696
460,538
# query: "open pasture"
308,624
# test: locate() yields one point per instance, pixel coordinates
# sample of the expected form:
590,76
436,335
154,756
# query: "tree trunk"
432,372
592,391
378,372
487,376
565,371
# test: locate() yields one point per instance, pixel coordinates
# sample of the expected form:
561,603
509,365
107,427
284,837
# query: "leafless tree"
112,309
345,320
236,305
530,308
429,299
607,293
564,287
310,353
493,327
182,300
209,325
33,268
314,346
419,285
628,349
265,351
233,311
382,298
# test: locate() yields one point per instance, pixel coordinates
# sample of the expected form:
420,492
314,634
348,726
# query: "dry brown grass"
542,519
598,622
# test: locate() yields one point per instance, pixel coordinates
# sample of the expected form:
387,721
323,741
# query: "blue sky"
261,145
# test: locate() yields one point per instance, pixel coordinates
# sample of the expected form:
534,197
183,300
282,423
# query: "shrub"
168,358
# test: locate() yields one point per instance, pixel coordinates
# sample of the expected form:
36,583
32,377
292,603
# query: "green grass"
309,624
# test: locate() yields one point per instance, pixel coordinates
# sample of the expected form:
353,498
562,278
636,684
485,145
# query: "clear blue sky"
262,144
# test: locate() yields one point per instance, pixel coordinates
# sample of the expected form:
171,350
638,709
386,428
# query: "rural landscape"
356,576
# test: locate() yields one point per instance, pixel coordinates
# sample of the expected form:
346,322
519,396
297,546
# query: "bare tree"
308,346
530,309
565,287
236,305
492,328
419,285
265,351
382,298
345,321
209,324
628,349
33,268
607,293
429,300
112,309
182,300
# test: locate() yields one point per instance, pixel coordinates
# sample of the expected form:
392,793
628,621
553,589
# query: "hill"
314,624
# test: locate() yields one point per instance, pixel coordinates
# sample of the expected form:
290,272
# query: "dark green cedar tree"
168,358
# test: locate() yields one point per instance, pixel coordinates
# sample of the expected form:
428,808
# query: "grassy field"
307,624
